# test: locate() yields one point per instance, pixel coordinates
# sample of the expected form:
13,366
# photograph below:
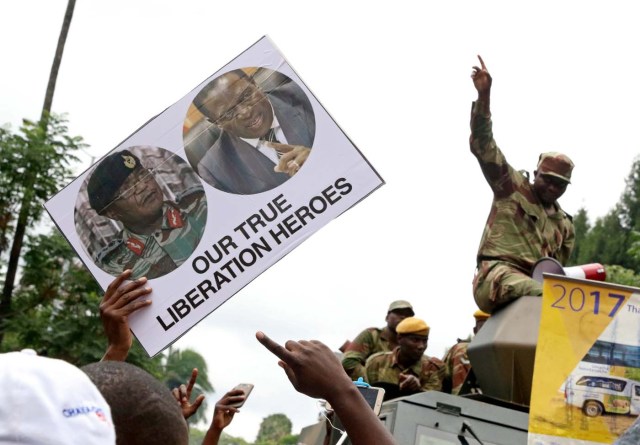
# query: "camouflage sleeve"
356,354
448,370
567,243
433,375
372,372
493,163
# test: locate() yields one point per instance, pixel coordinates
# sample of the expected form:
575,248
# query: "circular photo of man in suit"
249,130
142,208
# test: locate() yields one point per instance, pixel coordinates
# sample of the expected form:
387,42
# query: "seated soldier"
406,370
374,340
458,377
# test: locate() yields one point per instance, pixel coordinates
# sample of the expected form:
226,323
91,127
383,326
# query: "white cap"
49,401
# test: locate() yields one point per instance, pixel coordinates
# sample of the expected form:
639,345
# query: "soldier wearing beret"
458,377
374,340
158,235
526,222
406,370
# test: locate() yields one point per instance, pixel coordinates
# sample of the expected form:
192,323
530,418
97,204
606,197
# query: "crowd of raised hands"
311,367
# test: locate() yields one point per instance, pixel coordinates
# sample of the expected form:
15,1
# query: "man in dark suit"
266,131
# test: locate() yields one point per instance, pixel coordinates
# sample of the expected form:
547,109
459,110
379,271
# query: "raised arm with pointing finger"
314,370
526,222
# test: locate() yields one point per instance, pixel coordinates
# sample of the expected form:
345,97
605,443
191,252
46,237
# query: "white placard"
216,213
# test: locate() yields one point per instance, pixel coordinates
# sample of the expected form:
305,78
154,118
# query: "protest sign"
586,381
213,191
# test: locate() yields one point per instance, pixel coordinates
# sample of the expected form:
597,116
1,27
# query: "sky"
395,77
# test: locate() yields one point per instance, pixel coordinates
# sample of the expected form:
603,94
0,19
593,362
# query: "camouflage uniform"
383,367
518,230
368,342
159,253
457,367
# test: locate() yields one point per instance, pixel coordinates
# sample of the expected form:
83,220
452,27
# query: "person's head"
398,311
236,104
552,176
144,411
50,401
120,188
413,335
480,318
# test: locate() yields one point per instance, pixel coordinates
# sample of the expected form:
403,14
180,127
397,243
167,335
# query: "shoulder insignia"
135,245
174,218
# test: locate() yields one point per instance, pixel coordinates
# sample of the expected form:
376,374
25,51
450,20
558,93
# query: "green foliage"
196,436
291,439
226,439
620,275
35,163
55,308
613,239
273,429
582,227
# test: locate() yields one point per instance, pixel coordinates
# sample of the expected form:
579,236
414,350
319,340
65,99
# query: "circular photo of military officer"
142,208
249,130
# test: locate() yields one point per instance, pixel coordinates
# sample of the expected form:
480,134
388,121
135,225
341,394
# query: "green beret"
108,176
400,304
413,325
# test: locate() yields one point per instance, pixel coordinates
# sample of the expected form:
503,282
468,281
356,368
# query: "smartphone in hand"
246,388
374,397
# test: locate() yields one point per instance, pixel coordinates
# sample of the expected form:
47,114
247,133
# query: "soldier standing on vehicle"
526,222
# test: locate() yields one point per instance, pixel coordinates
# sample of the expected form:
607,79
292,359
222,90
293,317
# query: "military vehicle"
502,356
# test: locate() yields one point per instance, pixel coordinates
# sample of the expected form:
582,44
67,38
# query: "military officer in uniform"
158,235
406,370
526,222
374,340
458,375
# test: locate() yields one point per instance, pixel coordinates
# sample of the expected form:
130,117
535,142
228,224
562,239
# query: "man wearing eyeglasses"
158,235
266,131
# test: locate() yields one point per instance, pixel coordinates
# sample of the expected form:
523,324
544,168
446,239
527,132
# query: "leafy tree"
55,308
45,153
607,241
630,200
273,429
613,239
620,275
196,436
581,225
45,165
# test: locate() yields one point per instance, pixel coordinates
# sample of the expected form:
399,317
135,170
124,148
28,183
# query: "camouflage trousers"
496,283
